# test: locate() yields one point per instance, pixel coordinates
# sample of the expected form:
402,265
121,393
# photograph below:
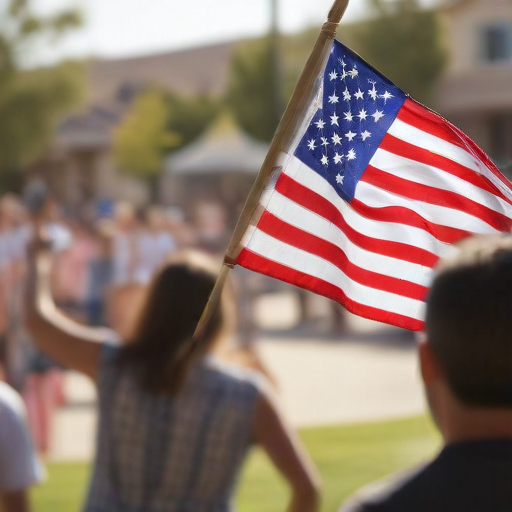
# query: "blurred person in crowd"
19,467
40,379
14,235
124,243
246,284
100,274
4,287
181,231
243,348
154,244
71,271
211,226
465,358
175,423
125,291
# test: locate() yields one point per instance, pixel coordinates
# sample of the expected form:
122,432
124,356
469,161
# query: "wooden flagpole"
295,111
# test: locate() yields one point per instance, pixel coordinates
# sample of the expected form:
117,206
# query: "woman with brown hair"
175,423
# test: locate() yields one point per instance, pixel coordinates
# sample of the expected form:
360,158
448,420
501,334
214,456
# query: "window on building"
497,43
500,137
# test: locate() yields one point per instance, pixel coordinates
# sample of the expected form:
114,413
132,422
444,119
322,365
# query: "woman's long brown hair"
162,348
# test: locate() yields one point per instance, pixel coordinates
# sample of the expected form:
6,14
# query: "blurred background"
146,123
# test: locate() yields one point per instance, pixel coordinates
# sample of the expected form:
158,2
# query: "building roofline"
451,5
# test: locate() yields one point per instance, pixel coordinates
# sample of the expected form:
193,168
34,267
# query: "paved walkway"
368,374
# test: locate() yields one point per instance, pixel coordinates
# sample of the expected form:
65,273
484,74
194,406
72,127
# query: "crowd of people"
102,265
119,300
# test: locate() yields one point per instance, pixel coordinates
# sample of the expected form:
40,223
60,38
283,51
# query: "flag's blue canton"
359,105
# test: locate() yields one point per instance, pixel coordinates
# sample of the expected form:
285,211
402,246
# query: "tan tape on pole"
285,133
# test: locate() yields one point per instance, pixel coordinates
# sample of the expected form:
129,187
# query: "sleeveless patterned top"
161,454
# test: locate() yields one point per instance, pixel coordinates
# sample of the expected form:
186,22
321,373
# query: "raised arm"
285,449
70,343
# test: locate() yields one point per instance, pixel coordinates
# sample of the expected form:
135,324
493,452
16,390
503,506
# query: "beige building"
476,92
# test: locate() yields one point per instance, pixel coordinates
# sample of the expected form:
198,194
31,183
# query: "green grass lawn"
347,456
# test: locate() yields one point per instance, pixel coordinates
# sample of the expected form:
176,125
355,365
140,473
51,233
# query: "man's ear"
429,364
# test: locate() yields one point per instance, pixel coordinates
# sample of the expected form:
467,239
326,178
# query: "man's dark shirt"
465,477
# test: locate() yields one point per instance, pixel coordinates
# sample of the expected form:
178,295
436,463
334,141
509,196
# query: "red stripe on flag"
321,206
402,148
432,195
402,215
253,261
415,114
312,244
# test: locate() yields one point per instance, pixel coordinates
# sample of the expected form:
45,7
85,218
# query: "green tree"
404,41
254,92
141,140
31,102
189,117
158,123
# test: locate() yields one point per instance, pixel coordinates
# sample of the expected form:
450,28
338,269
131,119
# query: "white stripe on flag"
390,231
376,197
423,174
302,218
417,137
307,263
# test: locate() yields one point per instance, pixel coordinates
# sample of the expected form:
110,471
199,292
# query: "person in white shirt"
19,465
154,245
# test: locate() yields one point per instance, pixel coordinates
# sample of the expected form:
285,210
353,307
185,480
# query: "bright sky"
116,28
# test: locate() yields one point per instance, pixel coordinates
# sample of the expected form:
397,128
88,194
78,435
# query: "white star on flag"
365,135
373,93
350,135
348,116
325,160
386,96
353,72
320,124
334,120
339,179
359,94
351,155
336,139
337,158
362,114
378,115
311,144
333,75
333,98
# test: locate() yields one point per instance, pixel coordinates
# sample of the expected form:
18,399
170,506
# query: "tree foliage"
254,91
31,102
141,140
158,123
404,42
189,117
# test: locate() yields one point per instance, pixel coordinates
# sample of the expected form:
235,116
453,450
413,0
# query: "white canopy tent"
222,163
224,148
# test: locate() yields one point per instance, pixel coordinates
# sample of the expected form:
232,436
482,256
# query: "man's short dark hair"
469,320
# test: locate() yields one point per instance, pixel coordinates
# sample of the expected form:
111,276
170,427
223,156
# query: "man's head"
469,321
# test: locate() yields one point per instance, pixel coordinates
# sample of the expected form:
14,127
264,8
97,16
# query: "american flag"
372,191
